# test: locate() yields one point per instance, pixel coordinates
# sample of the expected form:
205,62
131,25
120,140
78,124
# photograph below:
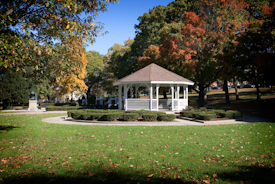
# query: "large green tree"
94,70
198,52
15,87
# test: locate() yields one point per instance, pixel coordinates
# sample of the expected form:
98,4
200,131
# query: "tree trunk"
236,89
258,92
6,104
225,88
164,94
202,96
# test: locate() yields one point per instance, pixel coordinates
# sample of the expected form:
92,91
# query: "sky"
119,21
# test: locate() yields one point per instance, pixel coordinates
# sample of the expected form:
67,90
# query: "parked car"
216,87
249,86
240,86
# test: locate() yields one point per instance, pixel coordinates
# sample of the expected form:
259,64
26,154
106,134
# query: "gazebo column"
186,93
151,97
178,96
119,97
125,96
131,92
172,92
157,96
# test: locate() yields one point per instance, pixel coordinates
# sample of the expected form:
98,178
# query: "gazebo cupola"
153,77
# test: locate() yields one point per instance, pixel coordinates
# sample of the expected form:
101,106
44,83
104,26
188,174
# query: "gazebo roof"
153,74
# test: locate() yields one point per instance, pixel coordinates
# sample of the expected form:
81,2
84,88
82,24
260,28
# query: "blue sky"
119,21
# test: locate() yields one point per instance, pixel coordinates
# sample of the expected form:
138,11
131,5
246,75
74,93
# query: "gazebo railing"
137,104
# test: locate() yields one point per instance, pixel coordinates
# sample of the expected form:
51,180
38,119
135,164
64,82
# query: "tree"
94,69
116,59
15,87
56,29
198,52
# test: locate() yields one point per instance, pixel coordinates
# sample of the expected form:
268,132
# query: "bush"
189,108
166,117
196,115
110,117
76,114
61,108
218,112
202,109
231,114
149,117
75,104
207,116
130,116
85,116
188,114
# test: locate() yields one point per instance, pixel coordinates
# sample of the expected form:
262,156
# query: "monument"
33,102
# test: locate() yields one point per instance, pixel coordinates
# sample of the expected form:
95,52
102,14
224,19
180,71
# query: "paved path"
177,122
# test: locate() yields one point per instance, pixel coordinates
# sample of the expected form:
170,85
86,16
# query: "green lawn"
36,152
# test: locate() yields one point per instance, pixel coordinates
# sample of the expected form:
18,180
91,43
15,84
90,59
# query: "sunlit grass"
35,151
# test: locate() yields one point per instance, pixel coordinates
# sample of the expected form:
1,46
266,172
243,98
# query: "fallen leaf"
150,176
225,165
206,181
215,175
162,155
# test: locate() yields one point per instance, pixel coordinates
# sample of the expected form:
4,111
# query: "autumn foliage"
199,50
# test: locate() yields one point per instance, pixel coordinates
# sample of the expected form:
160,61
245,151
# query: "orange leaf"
162,155
206,181
272,165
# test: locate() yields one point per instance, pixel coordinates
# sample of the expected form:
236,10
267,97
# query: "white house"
153,77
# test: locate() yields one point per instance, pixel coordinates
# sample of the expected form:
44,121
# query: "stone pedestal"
32,105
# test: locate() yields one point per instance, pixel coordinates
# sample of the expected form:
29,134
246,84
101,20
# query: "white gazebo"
153,77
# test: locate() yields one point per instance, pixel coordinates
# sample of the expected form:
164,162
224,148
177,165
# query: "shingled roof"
153,74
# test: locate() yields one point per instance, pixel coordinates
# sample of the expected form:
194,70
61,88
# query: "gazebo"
153,77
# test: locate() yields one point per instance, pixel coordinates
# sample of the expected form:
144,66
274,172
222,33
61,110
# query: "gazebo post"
125,96
157,96
178,95
131,92
172,91
119,97
151,96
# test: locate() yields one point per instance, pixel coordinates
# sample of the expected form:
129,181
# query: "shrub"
188,114
61,108
202,109
207,116
85,116
130,116
189,108
166,117
110,117
196,115
76,114
149,117
218,112
237,114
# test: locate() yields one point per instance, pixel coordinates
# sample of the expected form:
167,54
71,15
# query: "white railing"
137,104
165,103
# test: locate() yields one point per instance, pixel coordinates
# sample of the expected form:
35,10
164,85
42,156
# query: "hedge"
188,114
130,116
149,117
166,117
61,108
207,116
110,117
231,114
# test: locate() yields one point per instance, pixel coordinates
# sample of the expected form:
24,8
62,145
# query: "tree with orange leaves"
197,53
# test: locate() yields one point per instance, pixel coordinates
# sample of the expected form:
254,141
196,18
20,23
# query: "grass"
36,152
248,103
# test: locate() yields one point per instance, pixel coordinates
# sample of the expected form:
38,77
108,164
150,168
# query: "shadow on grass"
115,176
250,174
7,128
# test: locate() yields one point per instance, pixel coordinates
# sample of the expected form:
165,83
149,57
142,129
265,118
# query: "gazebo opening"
166,90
